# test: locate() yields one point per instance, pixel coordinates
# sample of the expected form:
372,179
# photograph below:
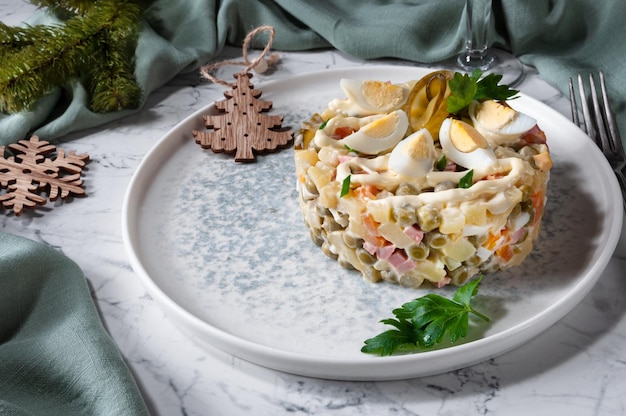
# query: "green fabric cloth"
55,357
558,37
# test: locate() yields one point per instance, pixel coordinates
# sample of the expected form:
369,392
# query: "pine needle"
95,45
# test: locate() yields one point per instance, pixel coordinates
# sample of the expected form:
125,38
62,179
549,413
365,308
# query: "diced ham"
370,248
516,236
344,158
401,262
414,233
450,166
534,136
443,282
385,252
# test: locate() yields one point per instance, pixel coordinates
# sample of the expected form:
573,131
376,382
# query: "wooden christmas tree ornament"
241,126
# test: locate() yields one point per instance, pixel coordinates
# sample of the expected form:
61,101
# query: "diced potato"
328,156
475,213
432,271
329,195
380,211
460,249
351,205
308,156
543,161
321,175
451,264
304,160
392,232
452,221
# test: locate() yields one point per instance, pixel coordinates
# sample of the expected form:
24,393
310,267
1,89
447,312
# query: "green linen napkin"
558,37
55,356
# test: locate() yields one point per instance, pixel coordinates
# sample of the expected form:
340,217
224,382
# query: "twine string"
205,70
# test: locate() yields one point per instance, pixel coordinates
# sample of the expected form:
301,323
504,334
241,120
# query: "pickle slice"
426,104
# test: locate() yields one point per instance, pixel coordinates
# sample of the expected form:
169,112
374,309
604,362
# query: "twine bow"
259,64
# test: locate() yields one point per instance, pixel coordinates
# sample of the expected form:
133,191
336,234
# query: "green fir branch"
34,70
96,45
111,81
66,7
14,39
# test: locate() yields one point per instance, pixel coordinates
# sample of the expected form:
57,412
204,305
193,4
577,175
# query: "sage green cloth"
558,37
55,357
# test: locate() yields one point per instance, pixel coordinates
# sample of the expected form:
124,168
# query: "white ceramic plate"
222,248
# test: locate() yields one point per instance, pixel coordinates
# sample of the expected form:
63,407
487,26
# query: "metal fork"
599,123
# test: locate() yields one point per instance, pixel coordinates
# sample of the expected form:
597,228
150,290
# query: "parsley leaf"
488,88
345,186
465,88
467,180
442,163
425,321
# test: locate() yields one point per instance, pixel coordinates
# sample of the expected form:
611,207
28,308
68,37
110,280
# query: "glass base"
470,61
508,66
502,63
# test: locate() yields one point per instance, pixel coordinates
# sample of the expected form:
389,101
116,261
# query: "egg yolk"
418,149
383,127
380,94
493,115
466,138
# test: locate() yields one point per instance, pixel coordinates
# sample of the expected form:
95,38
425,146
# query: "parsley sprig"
467,180
345,186
425,321
465,88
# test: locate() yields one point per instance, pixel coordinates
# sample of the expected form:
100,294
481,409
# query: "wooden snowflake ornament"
242,125
29,171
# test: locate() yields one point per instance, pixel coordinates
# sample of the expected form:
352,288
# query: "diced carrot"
341,132
491,242
372,236
366,192
505,252
494,176
370,223
537,200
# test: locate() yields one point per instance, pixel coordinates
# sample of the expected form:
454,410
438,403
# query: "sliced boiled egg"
415,155
381,134
464,145
375,96
499,123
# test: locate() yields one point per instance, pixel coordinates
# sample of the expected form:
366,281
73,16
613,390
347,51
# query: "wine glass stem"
477,42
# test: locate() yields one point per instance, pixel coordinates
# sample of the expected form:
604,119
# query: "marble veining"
576,367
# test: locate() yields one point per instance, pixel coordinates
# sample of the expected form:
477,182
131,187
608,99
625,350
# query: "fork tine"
585,107
572,100
600,126
599,117
616,141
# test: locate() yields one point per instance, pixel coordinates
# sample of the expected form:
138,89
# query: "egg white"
481,157
383,99
368,139
498,123
414,156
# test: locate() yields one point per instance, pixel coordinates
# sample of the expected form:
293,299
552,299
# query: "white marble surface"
577,367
